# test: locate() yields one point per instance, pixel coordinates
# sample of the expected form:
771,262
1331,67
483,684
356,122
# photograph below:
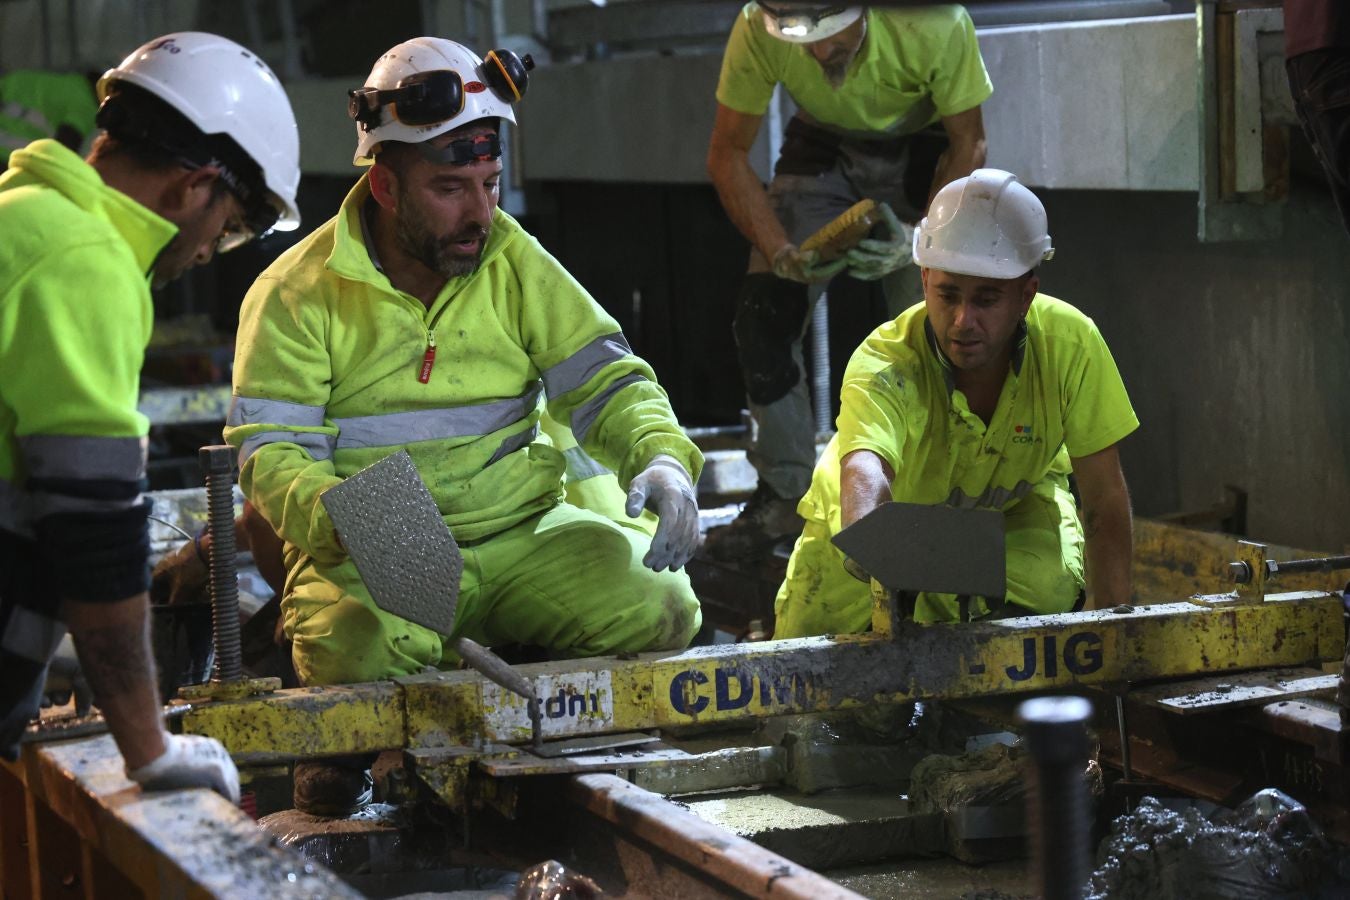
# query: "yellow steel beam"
1172,563
740,681
305,722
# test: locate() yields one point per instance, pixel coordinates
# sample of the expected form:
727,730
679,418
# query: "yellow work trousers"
1044,543
569,580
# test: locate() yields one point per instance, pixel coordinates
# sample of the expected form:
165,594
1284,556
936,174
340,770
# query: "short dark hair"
396,156
141,127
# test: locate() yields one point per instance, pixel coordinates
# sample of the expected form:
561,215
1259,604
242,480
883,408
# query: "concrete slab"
827,829
718,770
938,879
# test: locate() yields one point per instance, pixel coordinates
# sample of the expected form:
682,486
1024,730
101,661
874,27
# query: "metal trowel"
909,548
390,526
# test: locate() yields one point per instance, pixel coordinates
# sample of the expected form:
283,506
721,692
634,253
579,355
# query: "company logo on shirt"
1022,434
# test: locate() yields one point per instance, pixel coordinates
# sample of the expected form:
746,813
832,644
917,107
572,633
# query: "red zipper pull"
428,358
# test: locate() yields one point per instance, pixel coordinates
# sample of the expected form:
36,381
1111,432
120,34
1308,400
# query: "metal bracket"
1244,141
1249,572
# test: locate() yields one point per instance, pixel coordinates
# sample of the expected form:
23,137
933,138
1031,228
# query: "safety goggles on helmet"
800,21
425,98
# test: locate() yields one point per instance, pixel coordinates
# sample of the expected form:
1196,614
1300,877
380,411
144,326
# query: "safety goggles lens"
257,223
423,98
232,237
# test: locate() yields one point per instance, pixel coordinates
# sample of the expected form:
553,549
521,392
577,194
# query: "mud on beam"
71,823
745,681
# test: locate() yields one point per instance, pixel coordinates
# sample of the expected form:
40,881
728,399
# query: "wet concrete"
938,879
1269,848
988,776
830,828
877,745
981,795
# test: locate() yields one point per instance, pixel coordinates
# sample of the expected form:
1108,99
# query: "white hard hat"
805,23
485,94
223,88
986,224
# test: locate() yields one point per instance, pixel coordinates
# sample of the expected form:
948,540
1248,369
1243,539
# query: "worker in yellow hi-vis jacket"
199,152
985,395
423,318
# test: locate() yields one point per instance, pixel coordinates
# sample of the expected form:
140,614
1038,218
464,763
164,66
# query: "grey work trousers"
784,450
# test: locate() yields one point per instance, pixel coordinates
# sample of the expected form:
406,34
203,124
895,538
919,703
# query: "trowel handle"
493,667
496,669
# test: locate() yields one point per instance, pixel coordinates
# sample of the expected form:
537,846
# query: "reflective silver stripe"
584,416
319,445
65,456
31,635
16,509
28,115
514,443
992,498
19,508
581,466
585,364
45,504
393,429
256,411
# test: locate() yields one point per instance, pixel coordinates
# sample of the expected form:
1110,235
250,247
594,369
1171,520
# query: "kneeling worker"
423,318
985,395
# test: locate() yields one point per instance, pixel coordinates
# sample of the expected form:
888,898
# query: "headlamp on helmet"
805,23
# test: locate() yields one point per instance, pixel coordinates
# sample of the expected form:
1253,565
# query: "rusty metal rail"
71,824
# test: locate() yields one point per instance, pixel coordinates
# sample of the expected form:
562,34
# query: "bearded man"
423,318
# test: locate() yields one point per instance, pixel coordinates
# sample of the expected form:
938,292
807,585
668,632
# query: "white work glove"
873,258
794,264
664,488
190,760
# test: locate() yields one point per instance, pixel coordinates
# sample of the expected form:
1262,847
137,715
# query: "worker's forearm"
266,546
112,641
1110,545
746,202
864,484
957,161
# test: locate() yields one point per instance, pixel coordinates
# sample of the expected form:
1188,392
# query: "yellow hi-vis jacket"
75,317
35,104
336,369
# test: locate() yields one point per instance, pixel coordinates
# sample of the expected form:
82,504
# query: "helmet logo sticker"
474,87
166,44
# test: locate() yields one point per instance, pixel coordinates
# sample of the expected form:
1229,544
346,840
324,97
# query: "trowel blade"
389,524
911,547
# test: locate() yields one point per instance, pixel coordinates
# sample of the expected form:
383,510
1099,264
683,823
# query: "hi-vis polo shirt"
915,66
1063,398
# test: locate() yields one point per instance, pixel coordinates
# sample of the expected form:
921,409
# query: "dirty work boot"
331,788
764,521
